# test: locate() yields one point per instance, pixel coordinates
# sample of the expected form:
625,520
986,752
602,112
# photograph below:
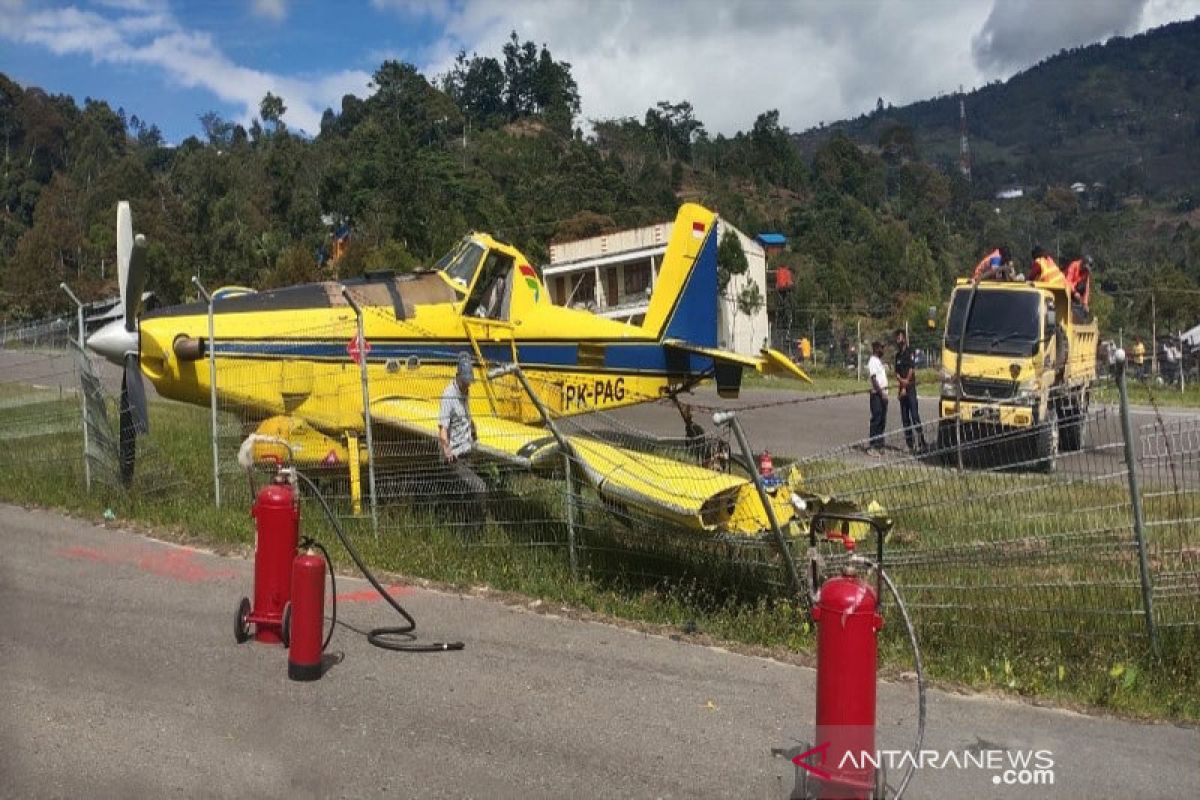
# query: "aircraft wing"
511,442
682,493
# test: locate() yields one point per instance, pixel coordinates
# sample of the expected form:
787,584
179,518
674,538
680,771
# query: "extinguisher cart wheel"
285,628
241,625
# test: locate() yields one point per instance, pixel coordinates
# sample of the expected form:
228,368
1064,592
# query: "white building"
614,274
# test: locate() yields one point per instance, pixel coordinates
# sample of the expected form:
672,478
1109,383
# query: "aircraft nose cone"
113,342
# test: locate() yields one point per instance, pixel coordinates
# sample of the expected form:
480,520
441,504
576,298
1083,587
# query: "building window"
560,290
637,281
583,290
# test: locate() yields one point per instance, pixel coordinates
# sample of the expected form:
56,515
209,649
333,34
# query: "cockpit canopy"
461,263
481,274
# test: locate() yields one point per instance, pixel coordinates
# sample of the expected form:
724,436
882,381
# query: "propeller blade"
131,264
135,282
124,243
133,416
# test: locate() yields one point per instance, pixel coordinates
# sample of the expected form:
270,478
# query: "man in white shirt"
879,399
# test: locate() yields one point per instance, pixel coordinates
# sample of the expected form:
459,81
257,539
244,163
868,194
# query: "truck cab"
1017,357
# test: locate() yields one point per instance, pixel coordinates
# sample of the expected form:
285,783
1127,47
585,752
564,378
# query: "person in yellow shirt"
1139,358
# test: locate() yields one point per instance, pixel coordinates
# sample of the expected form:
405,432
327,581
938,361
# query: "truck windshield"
1002,322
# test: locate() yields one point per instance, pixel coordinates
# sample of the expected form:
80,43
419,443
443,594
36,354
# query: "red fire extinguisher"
847,622
304,617
277,531
766,466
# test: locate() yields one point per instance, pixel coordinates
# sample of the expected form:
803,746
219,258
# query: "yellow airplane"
288,358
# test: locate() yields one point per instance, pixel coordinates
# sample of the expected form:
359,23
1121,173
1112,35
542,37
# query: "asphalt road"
121,679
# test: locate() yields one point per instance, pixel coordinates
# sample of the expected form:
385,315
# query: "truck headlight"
948,384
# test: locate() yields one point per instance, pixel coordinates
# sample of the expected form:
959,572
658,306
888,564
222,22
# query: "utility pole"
1153,336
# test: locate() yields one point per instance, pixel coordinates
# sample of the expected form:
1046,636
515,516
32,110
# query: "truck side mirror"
1051,319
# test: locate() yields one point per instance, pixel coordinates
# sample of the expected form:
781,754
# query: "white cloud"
813,60
152,37
274,10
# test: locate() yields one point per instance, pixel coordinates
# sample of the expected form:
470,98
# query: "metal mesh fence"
996,540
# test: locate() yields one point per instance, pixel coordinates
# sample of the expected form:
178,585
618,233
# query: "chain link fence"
996,547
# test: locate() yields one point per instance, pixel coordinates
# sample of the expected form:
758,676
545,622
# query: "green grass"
636,572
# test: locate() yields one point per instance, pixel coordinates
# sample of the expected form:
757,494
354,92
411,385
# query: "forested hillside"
878,224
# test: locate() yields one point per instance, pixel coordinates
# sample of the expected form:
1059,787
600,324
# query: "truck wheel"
1072,425
1045,442
947,442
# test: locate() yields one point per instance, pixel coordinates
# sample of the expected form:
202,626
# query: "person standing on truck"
1079,279
996,264
1044,270
906,380
879,399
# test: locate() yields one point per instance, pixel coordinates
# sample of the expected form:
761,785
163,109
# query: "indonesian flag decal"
531,280
698,230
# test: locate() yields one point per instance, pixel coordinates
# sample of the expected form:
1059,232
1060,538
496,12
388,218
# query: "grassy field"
974,632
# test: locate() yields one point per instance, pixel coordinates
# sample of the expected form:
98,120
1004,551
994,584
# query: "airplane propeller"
131,272
118,341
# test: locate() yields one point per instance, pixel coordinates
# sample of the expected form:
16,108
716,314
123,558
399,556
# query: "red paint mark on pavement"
88,554
180,565
372,596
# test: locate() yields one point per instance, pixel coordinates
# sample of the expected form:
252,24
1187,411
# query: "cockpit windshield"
461,263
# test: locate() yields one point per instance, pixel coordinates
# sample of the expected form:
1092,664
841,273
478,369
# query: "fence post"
572,495
730,418
1135,502
212,388
366,401
87,467
564,444
858,350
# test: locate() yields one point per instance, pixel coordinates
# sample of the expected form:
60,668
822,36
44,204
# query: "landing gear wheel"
241,626
285,629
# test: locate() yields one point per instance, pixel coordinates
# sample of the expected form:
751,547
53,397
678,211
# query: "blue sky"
170,61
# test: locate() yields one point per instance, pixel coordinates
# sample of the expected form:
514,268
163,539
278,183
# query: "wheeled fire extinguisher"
276,534
289,584
846,610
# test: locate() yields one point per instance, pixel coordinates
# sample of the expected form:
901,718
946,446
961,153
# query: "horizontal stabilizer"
769,362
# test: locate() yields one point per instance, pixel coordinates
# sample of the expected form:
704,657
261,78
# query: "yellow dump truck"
1028,360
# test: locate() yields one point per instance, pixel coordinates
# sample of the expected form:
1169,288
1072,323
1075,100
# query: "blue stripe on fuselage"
641,357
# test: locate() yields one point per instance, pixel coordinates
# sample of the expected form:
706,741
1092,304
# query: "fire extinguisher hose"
398,638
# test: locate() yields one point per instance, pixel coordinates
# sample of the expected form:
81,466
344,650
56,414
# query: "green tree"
731,259
272,109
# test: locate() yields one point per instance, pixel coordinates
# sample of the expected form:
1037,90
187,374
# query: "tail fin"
684,303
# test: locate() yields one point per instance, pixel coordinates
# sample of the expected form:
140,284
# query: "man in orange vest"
1044,270
994,265
1079,276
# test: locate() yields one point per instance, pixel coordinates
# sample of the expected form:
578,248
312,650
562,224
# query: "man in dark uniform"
906,380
